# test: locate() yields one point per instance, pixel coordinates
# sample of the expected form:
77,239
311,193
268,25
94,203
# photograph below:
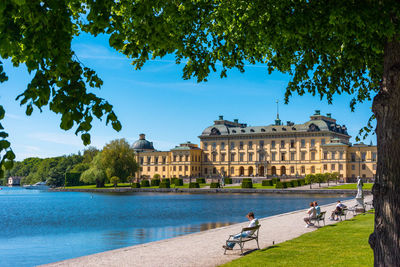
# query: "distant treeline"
94,166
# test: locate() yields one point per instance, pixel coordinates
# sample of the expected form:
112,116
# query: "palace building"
234,149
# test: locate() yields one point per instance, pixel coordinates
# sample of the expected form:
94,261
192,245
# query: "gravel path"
203,248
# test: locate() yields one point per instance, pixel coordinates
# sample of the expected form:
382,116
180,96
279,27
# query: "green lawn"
259,186
367,186
342,244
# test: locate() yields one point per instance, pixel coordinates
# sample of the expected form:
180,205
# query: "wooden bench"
241,240
320,217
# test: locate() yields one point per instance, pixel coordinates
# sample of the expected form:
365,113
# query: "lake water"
38,227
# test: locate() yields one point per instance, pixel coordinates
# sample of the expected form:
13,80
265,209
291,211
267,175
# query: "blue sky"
158,102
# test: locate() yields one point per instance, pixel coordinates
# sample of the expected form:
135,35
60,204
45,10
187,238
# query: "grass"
259,186
367,186
342,244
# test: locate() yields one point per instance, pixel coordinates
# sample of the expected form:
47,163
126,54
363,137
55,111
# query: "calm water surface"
38,227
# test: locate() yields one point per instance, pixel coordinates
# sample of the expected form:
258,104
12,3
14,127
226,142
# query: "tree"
310,178
89,153
335,176
328,177
327,47
95,174
118,159
114,180
319,178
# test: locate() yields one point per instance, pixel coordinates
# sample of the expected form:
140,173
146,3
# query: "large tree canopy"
327,48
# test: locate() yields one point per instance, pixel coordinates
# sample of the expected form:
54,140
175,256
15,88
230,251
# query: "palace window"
272,144
303,169
340,167
374,167
303,155
156,169
186,158
180,168
214,157
180,158
205,146
148,160
283,156
303,143
222,146
282,144
205,157
325,155
323,141
222,157
241,156
163,168
164,160
148,168
312,142
293,156
261,143
261,156
333,154
363,167
341,155
240,145
232,156
333,166
174,158
312,155
273,156
156,160
205,170
250,156
232,145
291,169
186,168
353,157
214,145
373,156
325,167
353,167
291,143
232,170
250,144
214,170
363,156
141,160
312,169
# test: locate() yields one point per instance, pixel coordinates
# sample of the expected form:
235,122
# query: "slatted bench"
320,217
241,240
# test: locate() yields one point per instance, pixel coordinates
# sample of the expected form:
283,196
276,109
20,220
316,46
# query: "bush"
114,180
166,180
201,180
194,185
288,184
215,185
145,183
228,180
156,176
72,179
275,180
280,185
301,182
178,182
164,184
294,183
155,182
247,183
267,183
136,185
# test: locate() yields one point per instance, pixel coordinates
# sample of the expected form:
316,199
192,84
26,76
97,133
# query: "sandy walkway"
204,248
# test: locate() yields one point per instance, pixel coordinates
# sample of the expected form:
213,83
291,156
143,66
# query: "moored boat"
37,186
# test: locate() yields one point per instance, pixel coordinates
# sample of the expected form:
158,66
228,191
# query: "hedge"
215,185
72,179
145,183
135,185
247,183
295,183
288,184
267,183
301,181
194,185
280,185
275,180
164,184
166,180
155,182
201,180
228,180
178,182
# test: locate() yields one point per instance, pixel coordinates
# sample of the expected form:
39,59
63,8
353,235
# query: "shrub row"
247,183
215,185
194,185
135,185
201,180
293,183
228,180
267,183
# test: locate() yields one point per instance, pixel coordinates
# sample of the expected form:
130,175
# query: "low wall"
216,190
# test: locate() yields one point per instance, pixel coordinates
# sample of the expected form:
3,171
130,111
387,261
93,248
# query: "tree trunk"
385,241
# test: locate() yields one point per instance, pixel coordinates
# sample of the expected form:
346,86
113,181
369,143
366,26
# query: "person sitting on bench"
339,208
253,222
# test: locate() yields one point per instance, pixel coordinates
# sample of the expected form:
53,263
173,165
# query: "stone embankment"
215,190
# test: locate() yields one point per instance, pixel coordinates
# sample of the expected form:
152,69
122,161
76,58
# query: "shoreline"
211,190
203,248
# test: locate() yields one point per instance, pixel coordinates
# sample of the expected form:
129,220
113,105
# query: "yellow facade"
230,148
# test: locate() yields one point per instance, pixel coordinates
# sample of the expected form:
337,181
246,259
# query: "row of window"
173,168
175,158
363,156
261,144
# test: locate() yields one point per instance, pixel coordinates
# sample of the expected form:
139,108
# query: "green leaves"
7,156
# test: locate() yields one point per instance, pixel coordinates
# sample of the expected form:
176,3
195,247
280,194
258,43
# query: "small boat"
37,186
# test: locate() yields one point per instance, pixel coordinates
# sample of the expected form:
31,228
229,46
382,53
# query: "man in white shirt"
253,222
311,215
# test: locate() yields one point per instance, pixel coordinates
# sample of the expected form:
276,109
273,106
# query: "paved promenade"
204,248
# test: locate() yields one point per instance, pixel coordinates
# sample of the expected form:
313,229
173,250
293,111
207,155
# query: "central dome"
142,144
